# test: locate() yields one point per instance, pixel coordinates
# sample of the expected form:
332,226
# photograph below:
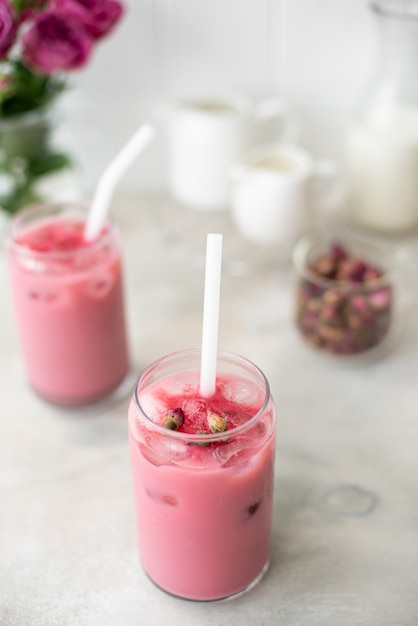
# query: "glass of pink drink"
69,306
203,499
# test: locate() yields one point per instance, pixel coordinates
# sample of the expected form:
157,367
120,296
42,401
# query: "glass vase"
33,166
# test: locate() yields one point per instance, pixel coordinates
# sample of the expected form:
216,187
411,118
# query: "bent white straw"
211,315
110,177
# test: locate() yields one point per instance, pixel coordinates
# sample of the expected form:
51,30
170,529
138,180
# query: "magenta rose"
97,16
7,28
56,42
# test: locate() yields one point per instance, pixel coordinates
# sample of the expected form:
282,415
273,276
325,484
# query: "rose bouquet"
41,43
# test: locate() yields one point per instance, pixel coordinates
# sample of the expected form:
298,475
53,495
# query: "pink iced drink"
69,307
204,511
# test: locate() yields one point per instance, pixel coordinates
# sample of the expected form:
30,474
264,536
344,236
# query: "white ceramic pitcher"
278,189
206,135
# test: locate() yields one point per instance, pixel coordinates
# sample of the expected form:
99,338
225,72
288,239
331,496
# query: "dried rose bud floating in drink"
343,299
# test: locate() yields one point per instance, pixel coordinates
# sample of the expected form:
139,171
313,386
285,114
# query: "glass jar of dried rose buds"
344,294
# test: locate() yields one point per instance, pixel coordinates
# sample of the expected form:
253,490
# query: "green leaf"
23,5
47,163
29,90
23,191
18,198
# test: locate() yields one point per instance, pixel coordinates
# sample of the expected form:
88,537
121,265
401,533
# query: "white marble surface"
68,552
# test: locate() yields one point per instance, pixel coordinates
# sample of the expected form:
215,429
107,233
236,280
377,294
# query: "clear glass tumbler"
203,499
69,305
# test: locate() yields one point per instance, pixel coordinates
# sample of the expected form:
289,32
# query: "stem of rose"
211,315
111,176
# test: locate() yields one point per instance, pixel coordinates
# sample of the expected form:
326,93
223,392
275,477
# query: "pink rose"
7,28
97,16
56,42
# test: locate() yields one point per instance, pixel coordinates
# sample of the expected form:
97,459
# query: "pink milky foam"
62,236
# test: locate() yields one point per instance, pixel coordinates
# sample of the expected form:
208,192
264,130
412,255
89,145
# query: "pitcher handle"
272,108
329,189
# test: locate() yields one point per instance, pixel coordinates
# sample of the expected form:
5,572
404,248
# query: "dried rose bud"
357,274
314,305
354,321
324,266
217,424
351,269
202,444
380,299
329,312
331,333
332,296
173,419
359,303
371,273
338,252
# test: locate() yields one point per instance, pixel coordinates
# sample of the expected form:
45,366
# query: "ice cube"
172,449
241,393
261,430
100,286
237,418
161,450
152,456
34,294
44,296
252,509
164,498
153,406
181,384
235,452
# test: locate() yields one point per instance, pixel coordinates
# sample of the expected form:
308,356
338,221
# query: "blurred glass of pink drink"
69,307
204,501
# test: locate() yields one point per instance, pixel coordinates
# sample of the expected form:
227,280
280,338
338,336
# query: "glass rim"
211,437
299,256
250,160
216,105
55,209
401,11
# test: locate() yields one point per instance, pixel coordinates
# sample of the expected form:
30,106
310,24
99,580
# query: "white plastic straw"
211,315
111,176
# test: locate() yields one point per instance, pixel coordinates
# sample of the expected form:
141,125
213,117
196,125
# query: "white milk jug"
276,191
206,135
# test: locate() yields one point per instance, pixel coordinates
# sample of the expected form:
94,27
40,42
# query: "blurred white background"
316,54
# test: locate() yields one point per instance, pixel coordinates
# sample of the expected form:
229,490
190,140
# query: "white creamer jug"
276,191
205,135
